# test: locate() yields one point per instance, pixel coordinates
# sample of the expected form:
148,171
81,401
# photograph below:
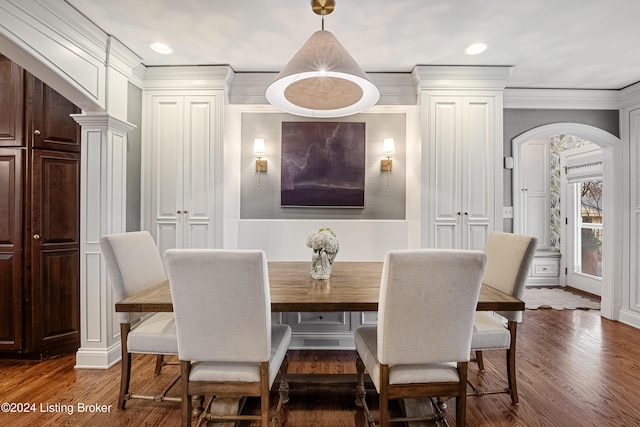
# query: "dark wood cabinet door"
11,190
11,103
48,122
55,251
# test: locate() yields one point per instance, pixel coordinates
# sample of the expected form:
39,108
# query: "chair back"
221,304
509,258
427,301
133,264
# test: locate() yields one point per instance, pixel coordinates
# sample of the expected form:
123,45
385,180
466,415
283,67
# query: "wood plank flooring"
574,369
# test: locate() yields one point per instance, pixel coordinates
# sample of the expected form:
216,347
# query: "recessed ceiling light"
475,48
161,48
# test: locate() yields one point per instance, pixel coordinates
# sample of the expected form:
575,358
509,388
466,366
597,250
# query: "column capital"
102,120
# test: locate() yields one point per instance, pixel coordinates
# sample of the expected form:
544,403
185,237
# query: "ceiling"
566,44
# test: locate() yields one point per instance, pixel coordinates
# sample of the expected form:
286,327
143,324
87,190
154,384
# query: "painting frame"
323,164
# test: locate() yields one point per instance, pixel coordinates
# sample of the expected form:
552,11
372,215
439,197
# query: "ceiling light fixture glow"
322,79
475,48
161,48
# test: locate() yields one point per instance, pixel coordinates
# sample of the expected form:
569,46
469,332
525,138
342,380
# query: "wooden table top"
353,286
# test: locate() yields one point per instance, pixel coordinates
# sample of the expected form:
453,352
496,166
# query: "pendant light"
322,79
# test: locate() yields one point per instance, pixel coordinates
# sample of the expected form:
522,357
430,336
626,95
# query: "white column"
102,211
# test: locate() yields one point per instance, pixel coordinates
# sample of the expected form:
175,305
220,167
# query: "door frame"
612,258
568,203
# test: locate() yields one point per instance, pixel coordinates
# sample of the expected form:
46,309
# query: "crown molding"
212,77
630,97
121,58
562,99
452,77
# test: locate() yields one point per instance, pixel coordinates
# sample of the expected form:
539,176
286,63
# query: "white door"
583,211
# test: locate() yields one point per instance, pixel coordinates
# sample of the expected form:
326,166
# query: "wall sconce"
388,149
259,152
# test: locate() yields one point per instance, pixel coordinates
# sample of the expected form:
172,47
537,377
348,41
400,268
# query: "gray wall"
519,121
134,159
381,202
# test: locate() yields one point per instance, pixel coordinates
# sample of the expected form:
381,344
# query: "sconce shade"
388,147
258,147
322,80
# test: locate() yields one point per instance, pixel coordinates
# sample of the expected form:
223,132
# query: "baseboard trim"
630,318
91,358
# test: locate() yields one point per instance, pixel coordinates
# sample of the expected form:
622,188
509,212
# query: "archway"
612,270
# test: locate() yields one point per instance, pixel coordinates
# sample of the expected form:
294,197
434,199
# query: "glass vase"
320,265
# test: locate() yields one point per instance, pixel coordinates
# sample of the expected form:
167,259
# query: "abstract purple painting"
323,164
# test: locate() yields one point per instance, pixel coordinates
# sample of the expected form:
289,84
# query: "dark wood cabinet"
12,103
11,283
39,219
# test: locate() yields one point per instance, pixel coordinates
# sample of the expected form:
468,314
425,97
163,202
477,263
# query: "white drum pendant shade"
322,80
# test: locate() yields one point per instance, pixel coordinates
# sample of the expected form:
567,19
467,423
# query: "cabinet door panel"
166,235
11,248
197,235
444,163
11,103
477,152
55,251
535,189
477,235
446,236
198,191
49,124
166,130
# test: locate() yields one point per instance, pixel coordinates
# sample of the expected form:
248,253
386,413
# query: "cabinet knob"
466,213
320,317
178,212
36,237
185,211
458,213
36,132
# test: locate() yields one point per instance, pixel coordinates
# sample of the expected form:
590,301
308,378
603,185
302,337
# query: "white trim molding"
562,99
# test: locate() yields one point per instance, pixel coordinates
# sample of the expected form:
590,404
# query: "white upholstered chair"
226,343
134,264
509,258
421,345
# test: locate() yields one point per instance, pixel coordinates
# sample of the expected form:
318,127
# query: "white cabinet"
180,136
463,148
533,192
532,202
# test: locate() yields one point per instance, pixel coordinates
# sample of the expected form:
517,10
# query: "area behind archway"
612,264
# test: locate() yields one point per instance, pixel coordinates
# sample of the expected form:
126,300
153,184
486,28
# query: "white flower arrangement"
324,240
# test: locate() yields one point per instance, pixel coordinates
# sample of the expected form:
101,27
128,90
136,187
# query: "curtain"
587,168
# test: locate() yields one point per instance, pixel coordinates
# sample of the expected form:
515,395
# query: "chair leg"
360,390
461,399
361,393
264,394
159,363
125,365
511,363
480,360
185,368
125,375
384,395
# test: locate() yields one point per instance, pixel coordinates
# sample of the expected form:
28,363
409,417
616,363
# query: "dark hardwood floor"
575,369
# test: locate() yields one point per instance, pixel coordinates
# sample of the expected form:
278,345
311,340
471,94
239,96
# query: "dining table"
353,286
